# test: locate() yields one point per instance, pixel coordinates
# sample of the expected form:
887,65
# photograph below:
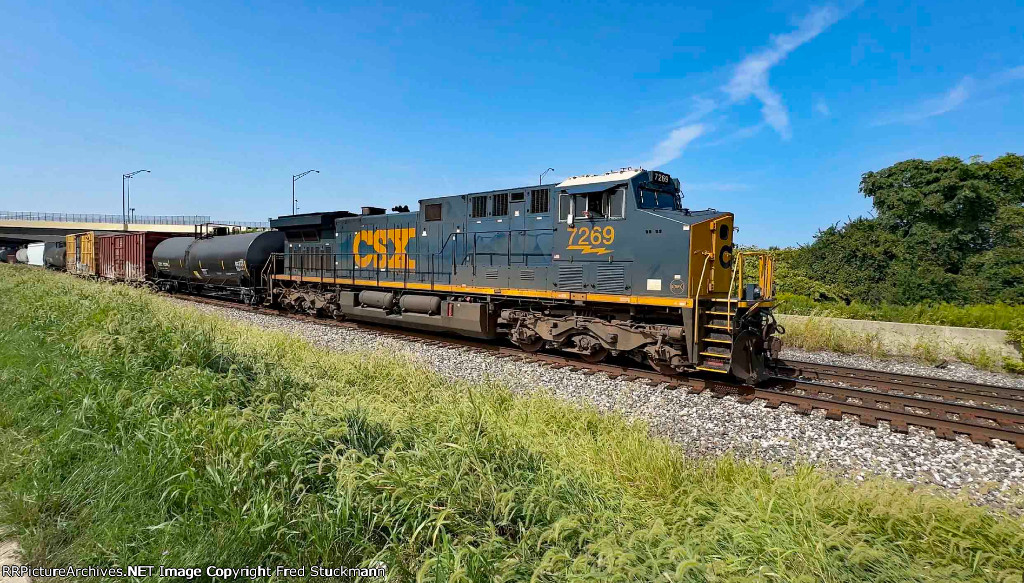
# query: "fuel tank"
228,260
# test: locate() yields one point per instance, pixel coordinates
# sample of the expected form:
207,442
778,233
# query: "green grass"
819,333
138,432
994,316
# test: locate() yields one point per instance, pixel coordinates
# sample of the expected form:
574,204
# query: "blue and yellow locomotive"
595,265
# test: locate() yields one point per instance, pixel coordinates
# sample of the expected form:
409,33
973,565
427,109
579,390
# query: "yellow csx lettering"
381,257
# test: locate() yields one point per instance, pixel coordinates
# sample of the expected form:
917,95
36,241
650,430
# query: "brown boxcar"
127,256
81,253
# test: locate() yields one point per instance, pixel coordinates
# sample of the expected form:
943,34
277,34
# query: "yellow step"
717,326
715,355
721,313
717,340
709,369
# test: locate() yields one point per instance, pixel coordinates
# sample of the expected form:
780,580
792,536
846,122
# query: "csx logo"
380,256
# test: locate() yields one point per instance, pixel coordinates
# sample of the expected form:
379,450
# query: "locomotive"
596,265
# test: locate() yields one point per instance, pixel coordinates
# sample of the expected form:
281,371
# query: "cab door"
517,227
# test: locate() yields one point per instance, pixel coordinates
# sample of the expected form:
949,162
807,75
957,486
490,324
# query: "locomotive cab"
679,268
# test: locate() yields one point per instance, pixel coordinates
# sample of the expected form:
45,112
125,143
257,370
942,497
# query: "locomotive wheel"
532,346
661,367
597,355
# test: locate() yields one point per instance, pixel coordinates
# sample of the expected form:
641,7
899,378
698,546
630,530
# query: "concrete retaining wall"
899,338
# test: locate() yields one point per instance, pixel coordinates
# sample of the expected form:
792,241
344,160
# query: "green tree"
944,230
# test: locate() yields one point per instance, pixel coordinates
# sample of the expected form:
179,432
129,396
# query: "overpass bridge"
17,228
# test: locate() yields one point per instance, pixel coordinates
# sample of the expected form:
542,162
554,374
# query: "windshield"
653,199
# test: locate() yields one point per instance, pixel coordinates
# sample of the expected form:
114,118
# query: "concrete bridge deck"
28,227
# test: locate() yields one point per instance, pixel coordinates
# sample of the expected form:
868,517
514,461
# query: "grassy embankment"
820,334
138,432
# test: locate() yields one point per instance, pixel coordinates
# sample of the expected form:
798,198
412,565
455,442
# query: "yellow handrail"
765,273
696,302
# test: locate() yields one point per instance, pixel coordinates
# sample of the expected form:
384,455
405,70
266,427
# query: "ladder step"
717,340
709,369
718,326
730,300
715,355
721,313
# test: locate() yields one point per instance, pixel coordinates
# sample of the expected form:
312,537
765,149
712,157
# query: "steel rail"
945,389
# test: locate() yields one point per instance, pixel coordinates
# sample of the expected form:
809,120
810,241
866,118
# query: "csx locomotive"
597,265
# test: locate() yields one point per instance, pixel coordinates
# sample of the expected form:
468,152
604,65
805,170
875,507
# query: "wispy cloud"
672,147
736,136
945,103
1014,74
702,106
750,78
954,98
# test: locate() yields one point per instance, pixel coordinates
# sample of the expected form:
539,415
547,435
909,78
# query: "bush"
994,316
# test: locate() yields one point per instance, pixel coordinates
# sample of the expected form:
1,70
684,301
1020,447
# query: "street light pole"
126,195
294,178
541,179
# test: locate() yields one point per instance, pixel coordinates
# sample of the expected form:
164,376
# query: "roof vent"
372,210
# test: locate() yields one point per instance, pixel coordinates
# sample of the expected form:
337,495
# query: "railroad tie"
1007,424
980,438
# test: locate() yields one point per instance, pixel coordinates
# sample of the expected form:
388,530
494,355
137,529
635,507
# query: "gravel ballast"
704,425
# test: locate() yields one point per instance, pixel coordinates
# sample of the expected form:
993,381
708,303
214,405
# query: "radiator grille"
491,273
570,277
526,274
611,279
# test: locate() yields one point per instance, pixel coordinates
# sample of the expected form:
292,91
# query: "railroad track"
949,408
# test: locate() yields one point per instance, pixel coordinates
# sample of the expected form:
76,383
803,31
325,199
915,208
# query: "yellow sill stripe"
491,291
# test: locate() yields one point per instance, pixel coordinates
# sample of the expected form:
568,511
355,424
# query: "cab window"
606,204
564,207
654,199
590,205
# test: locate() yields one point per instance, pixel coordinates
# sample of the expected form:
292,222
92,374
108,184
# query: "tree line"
943,231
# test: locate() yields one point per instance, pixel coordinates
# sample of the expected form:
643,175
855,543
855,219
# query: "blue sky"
771,110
